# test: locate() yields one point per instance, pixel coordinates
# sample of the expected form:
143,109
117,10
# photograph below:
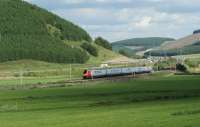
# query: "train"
115,71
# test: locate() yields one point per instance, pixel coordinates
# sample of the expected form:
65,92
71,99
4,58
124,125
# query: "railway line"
70,82
80,81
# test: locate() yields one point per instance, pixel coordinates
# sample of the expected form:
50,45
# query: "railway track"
72,82
79,81
115,78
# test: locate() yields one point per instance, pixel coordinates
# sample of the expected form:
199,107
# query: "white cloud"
144,22
120,19
89,1
115,24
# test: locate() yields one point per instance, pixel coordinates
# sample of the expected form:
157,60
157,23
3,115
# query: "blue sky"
121,19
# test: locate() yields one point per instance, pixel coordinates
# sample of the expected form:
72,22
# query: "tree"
181,67
90,49
102,42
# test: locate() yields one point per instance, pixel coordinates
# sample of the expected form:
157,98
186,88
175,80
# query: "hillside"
183,46
182,42
29,32
103,53
131,46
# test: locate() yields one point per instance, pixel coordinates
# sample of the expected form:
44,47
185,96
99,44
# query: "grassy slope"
28,65
140,103
103,54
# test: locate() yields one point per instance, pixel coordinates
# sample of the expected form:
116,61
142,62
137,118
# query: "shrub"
104,43
90,49
181,67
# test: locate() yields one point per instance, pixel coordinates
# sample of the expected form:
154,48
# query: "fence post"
70,72
157,67
21,77
176,68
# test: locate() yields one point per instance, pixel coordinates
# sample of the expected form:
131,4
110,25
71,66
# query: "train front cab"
87,74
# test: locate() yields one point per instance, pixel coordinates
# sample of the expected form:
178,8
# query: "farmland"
41,72
156,100
48,47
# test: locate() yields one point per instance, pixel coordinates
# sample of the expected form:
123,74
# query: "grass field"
157,101
42,72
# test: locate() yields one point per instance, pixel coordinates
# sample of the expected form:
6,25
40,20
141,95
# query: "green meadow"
161,101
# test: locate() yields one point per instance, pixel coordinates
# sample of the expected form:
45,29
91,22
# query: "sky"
124,19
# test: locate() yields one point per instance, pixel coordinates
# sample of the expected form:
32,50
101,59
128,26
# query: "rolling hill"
183,46
30,32
131,46
181,43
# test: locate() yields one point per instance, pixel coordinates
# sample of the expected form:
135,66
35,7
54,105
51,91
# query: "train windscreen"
85,71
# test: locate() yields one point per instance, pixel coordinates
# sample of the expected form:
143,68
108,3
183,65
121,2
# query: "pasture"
27,72
154,101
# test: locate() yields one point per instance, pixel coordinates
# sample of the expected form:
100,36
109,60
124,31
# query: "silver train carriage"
109,72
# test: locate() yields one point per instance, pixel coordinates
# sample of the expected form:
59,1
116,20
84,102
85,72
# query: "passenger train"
117,71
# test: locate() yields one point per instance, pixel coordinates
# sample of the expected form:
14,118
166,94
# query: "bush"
181,67
90,49
104,43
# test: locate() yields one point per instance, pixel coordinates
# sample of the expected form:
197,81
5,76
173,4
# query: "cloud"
161,5
145,22
120,19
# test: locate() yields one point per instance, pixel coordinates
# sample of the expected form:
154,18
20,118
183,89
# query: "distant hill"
196,31
131,46
186,45
180,43
29,32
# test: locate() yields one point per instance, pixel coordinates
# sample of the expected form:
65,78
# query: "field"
155,100
34,72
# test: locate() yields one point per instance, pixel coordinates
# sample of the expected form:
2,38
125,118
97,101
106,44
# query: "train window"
85,71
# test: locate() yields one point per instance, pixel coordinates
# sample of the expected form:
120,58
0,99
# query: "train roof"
100,68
